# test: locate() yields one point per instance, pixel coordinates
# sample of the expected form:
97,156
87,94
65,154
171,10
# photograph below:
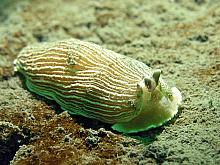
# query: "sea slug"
88,80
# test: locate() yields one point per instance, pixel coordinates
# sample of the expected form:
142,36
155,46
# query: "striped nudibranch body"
89,80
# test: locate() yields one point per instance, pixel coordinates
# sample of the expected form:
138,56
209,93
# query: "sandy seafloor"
181,37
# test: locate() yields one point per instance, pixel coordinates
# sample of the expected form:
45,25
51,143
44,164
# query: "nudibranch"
88,80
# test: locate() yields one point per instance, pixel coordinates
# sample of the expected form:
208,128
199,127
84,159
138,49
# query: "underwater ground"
181,37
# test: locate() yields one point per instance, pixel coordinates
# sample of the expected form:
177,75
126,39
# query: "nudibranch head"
158,103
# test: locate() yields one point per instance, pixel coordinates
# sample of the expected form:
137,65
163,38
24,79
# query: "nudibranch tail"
95,82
